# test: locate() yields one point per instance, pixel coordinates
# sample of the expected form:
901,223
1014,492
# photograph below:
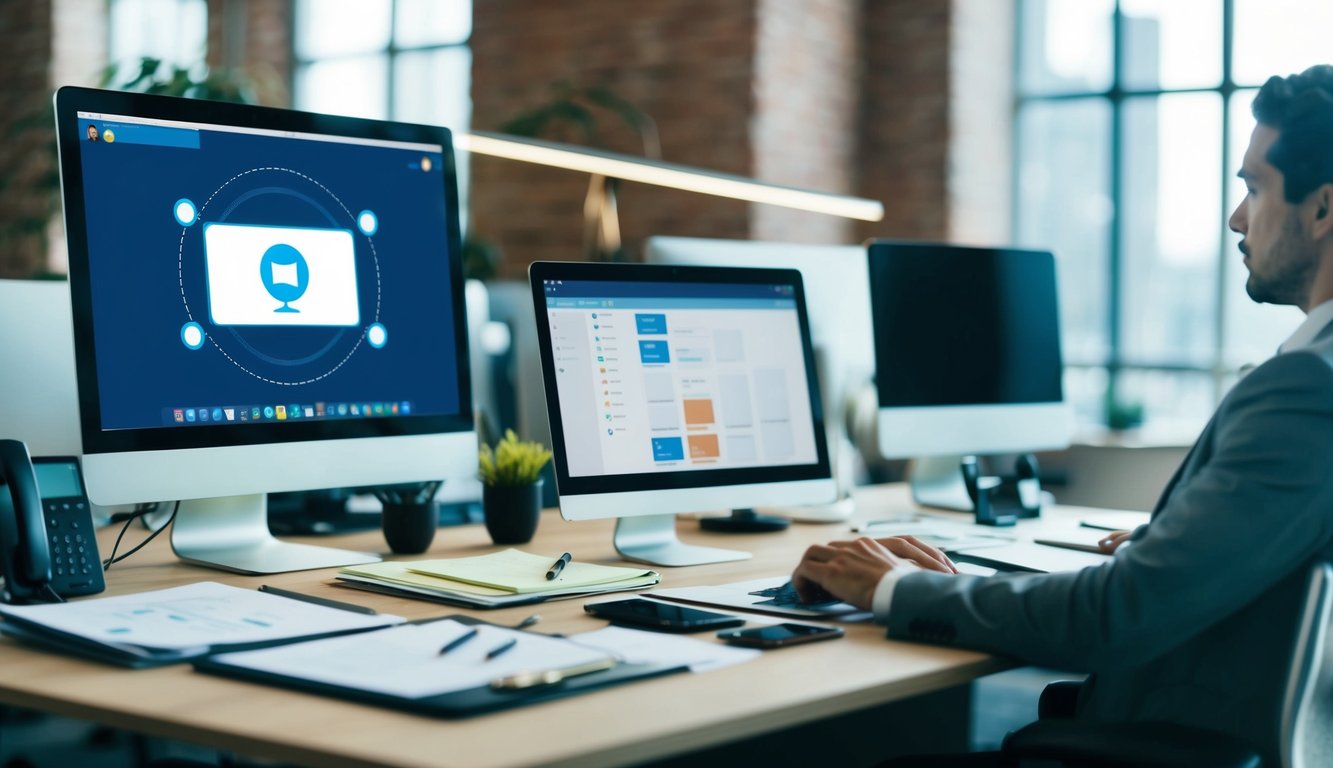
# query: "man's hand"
1113,541
850,570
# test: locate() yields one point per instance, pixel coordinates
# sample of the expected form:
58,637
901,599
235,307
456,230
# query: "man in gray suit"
1191,622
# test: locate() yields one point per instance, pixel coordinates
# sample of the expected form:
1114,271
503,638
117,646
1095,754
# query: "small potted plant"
512,488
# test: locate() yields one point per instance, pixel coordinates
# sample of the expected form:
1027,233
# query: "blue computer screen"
242,276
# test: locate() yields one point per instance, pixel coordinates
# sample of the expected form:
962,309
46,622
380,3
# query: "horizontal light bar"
645,171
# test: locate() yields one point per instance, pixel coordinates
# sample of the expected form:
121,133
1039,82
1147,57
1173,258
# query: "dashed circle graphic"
180,276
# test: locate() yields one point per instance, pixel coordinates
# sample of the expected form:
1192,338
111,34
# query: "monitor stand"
937,481
231,533
652,539
744,521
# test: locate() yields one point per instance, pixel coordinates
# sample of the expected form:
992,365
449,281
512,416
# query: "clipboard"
455,704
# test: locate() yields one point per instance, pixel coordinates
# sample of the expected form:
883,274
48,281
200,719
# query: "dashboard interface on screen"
244,276
660,377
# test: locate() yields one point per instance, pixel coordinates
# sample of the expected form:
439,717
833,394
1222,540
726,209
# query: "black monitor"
967,358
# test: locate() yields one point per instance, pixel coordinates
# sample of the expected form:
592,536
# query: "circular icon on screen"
108,135
285,275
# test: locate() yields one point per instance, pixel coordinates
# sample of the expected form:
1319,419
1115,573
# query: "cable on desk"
112,560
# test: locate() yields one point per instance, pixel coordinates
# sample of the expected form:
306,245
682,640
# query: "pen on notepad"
559,566
501,648
324,601
457,641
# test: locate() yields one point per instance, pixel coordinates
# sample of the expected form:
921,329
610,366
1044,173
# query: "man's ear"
1322,222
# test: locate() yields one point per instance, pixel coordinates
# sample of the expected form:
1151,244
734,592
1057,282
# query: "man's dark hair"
1300,108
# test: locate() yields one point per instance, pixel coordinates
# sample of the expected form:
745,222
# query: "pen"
501,648
1096,526
558,567
324,601
457,641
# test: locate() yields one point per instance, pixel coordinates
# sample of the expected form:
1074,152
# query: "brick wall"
807,83
688,63
254,36
905,127
27,144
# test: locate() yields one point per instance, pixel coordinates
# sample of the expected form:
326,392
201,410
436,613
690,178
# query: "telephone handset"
48,548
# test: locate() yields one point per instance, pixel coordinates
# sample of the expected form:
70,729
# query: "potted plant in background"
512,487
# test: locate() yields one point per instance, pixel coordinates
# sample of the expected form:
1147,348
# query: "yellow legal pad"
504,578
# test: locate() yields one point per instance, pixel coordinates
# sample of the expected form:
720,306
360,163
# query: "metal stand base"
937,481
231,533
652,539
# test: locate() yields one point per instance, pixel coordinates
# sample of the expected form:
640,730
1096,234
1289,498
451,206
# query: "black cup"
410,528
512,511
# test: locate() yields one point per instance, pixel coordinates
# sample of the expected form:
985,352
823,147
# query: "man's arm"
1258,508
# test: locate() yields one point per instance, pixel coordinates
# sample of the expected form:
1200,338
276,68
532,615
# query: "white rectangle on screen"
663,417
770,385
238,293
740,448
735,390
777,439
729,344
657,387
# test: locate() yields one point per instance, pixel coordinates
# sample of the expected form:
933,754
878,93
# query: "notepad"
511,568
522,573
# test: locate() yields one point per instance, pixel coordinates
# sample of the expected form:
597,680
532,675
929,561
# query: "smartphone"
779,635
662,617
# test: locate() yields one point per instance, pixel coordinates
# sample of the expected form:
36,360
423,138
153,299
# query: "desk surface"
631,723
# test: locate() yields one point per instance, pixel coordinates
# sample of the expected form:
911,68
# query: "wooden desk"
632,723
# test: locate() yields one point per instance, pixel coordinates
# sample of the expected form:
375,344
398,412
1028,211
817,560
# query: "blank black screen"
964,326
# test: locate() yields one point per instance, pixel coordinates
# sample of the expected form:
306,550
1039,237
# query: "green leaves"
512,461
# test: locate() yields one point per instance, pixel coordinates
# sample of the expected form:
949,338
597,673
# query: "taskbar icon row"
249,414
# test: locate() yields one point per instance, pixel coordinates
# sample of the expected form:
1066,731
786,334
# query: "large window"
174,31
1132,120
403,60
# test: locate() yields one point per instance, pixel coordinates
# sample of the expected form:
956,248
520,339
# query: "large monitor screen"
961,326
252,282
681,377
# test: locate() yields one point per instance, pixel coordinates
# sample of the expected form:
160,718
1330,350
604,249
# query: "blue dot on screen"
377,335
185,212
192,335
367,222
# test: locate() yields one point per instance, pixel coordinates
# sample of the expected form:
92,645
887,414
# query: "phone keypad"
75,568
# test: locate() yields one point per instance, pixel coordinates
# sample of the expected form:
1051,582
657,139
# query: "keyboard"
786,595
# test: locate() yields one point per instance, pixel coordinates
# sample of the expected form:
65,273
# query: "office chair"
1304,726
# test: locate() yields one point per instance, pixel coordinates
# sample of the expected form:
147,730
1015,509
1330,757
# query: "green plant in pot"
512,487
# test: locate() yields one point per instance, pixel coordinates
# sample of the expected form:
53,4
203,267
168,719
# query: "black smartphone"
778,635
648,614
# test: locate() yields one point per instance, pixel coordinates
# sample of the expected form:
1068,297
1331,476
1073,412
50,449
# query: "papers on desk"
947,535
406,661
638,646
501,579
1030,556
171,625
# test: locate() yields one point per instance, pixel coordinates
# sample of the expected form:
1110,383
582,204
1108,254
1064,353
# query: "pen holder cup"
410,528
512,511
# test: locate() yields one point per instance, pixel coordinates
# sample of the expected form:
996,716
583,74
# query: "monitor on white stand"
263,300
674,390
968,361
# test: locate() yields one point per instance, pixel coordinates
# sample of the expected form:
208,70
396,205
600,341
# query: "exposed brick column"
27,158
905,121
808,81
254,36
687,63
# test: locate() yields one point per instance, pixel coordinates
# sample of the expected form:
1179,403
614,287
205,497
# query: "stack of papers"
501,579
177,624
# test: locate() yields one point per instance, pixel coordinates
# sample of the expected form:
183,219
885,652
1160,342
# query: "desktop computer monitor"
263,300
678,389
967,351
838,297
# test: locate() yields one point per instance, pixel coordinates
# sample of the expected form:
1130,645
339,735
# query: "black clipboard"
456,704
